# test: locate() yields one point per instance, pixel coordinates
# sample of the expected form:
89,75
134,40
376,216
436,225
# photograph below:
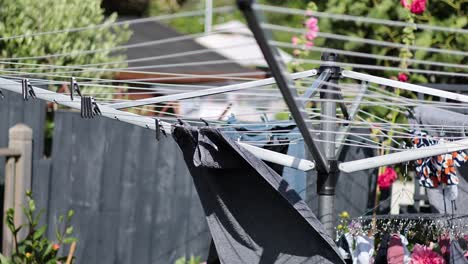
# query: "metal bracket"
326,182
353,112
317,85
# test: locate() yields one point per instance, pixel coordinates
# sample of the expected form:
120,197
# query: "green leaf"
70,240
58,235
70,214
32,205
4,260
48,250
39,232
69,230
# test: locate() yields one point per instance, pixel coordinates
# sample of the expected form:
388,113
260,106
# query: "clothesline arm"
405,86
149,123
206,92
315,87
403,156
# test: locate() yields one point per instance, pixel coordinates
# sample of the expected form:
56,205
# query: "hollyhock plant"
295,40
386,179
418,7
405,4
311,35
424,255
402,77
311,23
301,44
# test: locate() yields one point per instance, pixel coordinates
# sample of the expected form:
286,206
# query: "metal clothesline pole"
285,84
326,181
208,15
324,154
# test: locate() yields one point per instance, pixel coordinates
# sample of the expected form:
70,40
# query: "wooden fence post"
17,180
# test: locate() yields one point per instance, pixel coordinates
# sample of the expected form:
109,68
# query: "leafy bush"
36,248
23,17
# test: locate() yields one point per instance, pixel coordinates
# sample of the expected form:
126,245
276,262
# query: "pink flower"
311,23
294,40
424,255
311,35
418,7
402,77
309,44
405,4
386,179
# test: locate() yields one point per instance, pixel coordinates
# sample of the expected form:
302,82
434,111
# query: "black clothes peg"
1,94
181,122
89,107
27,90
74,87
204,121
159,129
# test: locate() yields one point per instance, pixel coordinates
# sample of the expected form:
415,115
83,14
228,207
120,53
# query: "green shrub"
36,248
23,17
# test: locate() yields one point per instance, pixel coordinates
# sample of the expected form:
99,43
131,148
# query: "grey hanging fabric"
453,124
252,213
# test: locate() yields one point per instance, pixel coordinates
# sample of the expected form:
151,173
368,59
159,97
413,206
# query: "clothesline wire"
438,103
366,55
90,80
387,68
445,104
116,48
81,70
362,40
40,66
224,9
381,124
403,135
171,75
358,19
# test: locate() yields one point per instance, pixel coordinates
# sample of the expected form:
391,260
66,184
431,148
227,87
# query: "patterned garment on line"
436,170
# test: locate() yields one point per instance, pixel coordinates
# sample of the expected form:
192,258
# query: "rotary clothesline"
324,143
163,99
382,126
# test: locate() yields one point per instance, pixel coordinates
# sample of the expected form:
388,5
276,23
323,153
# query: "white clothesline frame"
110,111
